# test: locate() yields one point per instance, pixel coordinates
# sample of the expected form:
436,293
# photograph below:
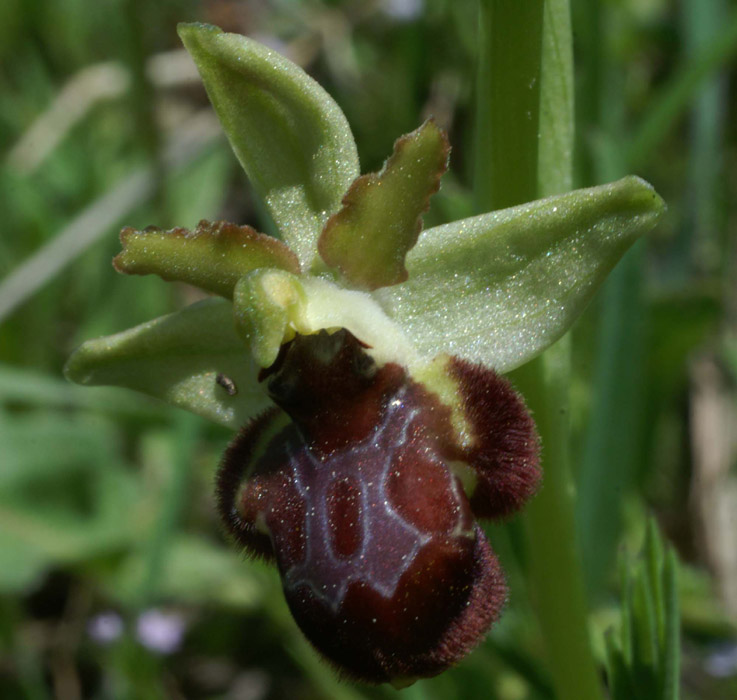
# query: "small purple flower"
722,663
106,627
160,631
403,10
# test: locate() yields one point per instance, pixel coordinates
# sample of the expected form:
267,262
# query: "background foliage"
115,579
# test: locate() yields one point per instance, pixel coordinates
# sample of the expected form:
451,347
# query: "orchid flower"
360,359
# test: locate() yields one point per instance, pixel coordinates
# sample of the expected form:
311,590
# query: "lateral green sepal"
501,287
192,359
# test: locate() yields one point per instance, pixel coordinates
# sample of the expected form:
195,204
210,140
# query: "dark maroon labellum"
382,563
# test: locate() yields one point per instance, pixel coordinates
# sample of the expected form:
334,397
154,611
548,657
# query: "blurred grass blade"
653,562
644,632
98,218
171,506
642,664
672,648
668,106
620,684
698,243
608,463
81,94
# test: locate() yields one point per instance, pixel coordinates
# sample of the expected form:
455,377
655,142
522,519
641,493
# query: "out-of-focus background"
115,578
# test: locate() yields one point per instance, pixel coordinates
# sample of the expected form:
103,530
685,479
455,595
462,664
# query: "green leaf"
501,287
288,133
178,358
671,671
212,257
381,218
30,388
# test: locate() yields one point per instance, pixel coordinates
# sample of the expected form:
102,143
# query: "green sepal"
177,358
213,257
288,133
501,287
381,218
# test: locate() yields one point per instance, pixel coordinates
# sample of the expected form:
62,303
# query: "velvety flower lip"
382,564
359,357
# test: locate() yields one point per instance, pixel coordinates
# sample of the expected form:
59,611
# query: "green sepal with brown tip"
213,257
381,218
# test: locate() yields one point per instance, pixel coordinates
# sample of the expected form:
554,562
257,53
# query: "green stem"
525,94
508,103
554,568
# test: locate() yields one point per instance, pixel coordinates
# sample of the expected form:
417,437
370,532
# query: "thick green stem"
556,577
523,151
508,103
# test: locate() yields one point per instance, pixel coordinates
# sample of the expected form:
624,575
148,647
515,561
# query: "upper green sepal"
213,256
178,358
381,217
501,287
288,133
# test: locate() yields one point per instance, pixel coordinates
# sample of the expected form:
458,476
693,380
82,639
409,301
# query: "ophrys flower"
380,348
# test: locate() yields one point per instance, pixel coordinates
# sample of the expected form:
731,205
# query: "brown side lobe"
235,466
505,450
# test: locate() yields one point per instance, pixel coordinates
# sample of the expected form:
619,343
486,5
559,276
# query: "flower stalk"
525,127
